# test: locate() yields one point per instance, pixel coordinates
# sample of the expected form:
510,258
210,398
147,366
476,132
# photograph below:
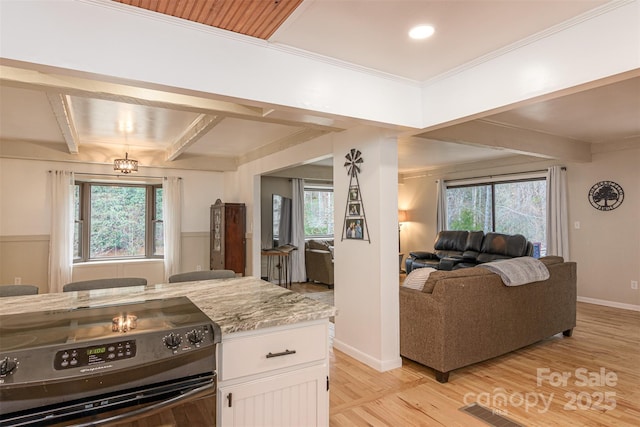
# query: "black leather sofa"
459,249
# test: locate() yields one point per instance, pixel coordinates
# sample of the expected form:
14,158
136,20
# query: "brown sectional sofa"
466,316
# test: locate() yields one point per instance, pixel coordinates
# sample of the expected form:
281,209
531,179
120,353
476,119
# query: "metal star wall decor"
355,223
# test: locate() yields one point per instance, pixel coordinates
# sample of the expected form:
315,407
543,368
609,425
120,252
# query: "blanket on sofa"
518,271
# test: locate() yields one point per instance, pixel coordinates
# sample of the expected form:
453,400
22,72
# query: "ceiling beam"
517,140
31,79
75,86
196,130
62,112
294,139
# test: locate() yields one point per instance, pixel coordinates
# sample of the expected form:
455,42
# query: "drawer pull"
282,353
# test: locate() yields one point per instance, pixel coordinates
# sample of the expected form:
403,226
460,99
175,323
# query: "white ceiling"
373,33
368,33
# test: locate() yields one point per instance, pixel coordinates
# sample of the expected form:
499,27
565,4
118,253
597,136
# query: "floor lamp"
402,217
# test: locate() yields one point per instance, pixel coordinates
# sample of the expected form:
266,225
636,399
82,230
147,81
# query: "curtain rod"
564,168
117,175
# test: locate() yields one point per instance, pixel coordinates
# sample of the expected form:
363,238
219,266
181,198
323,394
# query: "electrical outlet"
18,281
634,284
198,267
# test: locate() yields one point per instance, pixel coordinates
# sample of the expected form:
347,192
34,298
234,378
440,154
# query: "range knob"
195,336
8,366
172,341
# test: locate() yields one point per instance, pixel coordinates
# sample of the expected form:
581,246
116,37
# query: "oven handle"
157,405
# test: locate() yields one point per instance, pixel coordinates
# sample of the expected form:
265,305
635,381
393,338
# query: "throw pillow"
417,278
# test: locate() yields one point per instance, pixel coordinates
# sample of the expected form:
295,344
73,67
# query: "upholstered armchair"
319,261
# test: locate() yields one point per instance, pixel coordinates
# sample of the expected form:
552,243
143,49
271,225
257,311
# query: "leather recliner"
460,249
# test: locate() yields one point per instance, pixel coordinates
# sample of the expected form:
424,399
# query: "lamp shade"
125,165
402,216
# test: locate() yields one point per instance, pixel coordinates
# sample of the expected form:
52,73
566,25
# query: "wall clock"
606,195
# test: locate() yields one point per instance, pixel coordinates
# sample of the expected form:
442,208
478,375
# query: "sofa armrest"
421,327
423,255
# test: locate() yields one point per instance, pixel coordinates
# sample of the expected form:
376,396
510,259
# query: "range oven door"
117,407
143,388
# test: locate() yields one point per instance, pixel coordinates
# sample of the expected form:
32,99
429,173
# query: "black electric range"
67,364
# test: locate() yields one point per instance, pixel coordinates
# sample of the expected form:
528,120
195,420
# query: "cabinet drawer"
255,354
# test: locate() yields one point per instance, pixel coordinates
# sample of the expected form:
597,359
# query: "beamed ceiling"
92,119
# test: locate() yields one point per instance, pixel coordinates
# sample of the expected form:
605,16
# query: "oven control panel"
96,354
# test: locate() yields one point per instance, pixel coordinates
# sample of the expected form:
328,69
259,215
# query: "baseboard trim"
379,365
606,303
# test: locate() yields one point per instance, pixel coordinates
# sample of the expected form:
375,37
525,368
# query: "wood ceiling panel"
256,18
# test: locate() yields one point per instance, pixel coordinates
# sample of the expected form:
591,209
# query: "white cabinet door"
297,399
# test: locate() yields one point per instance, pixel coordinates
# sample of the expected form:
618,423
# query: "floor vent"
488,416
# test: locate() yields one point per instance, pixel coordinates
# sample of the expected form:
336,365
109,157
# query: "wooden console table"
283,264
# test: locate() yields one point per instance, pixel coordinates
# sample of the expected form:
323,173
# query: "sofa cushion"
449,240
501,246
417,278
474,241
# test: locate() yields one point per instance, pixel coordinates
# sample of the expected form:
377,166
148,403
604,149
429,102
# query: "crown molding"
576,20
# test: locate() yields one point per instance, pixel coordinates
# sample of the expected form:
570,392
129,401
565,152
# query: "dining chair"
192,276
17,290
119,282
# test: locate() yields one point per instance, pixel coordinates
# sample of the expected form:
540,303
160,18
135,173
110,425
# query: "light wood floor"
605,339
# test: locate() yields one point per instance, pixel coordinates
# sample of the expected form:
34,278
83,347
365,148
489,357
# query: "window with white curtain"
318,212
512,206
118,221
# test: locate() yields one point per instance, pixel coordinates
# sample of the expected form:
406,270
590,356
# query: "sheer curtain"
557,215
172,220
62,225
298,268
441,206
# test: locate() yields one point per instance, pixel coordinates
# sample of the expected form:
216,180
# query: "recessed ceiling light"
421,32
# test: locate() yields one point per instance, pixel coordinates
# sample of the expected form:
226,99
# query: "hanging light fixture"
125,165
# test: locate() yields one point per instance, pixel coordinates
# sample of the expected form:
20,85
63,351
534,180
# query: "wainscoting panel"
26,257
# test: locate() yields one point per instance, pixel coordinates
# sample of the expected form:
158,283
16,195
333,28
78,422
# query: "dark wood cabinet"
227,240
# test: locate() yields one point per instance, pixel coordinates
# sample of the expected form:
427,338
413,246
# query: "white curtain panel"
172,220
298,267
557,214
441,206
62,224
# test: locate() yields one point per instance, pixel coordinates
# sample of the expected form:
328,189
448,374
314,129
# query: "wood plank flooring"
602,359
605,339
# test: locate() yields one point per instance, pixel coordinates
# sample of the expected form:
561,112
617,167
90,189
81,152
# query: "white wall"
366,274
607,244
606,247
25,222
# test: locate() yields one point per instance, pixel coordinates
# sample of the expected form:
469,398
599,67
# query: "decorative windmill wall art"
355,222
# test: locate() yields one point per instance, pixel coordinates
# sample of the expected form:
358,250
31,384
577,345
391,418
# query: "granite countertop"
240,304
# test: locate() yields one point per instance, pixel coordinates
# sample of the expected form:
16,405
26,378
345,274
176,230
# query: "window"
510,207
318,212
115,221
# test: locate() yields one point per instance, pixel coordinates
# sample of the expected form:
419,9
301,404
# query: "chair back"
120,282
17,290
192,276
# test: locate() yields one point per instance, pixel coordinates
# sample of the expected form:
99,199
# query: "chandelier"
125,165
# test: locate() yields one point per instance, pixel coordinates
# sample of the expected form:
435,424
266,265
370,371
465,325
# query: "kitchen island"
273,358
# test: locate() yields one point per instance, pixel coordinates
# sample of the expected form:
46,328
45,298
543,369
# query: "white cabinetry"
275,376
